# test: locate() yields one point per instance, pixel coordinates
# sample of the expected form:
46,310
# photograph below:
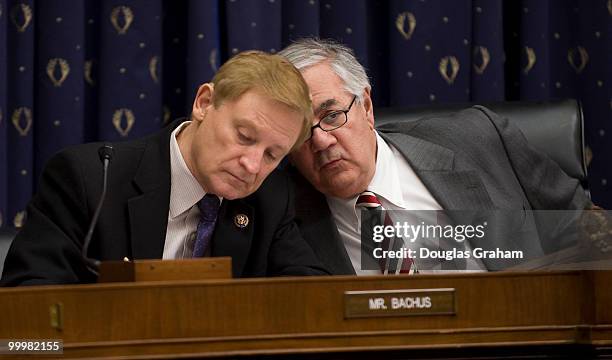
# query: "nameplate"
382,303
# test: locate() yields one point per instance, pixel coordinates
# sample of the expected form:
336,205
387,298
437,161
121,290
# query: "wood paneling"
302,315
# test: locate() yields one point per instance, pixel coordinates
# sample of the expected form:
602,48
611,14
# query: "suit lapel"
148,211
436,167
231,240
148,222
328,249
317,224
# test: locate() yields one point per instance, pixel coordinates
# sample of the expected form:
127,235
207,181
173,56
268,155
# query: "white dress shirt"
183,212
397,187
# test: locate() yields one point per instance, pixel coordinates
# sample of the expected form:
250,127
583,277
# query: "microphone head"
105,152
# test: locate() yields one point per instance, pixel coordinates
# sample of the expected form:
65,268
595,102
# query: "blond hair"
274,75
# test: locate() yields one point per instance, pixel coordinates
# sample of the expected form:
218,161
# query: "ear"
202,101
368,107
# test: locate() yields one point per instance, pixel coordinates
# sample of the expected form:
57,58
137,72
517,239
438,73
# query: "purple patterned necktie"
209,208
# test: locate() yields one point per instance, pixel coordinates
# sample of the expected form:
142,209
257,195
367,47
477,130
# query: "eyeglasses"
332,120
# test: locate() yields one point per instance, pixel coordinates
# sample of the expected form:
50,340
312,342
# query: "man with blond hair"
204,187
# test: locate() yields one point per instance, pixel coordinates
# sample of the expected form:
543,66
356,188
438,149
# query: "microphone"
105,153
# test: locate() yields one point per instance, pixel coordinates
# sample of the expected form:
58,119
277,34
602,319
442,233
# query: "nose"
321,140
251,160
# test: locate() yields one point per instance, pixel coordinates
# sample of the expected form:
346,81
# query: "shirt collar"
386,182
185,190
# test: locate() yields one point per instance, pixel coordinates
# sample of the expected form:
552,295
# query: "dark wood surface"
160,270
567,311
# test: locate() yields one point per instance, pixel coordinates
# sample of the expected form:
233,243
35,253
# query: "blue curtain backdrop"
73,71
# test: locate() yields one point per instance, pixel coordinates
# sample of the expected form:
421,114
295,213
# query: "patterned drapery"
73,71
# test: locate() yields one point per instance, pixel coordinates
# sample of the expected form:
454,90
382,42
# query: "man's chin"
341,187
232,193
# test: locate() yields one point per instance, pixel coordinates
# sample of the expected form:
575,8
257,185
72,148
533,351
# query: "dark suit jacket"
472,160
134,218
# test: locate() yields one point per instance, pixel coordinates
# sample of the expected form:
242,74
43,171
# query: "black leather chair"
555,128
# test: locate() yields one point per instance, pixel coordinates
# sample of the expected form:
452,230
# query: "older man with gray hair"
431,164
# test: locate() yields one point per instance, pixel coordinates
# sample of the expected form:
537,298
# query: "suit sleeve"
47,250
290,254
545,184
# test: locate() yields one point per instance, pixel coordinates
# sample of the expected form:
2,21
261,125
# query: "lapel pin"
241,220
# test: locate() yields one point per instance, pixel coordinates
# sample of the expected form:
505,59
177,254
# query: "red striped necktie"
368,200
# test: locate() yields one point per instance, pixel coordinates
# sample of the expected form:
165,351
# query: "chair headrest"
554,128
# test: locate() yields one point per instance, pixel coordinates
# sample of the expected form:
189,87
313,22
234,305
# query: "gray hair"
311,51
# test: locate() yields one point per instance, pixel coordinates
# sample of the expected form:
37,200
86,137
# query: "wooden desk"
217,318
